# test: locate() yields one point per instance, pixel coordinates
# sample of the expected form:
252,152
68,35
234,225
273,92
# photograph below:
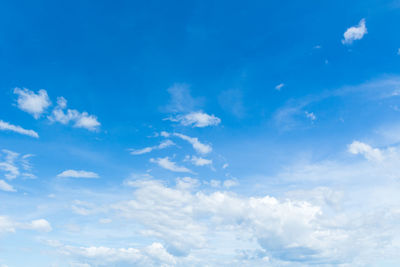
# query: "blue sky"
199,133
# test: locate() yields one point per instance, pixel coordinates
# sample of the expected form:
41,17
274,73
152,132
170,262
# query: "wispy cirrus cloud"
5,126
167,164
194,141
291,114
77,174
162,145
14,165
181,99
196,119
6,187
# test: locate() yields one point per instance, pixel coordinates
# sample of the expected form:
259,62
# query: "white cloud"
165,134
40,225
199,161
279,86
77,174
310,115
8,225
355,33
141,151
366,150
80,119
197,145
9,165
304,228
157,251
34,104
166,163
162,145
6,187
5,126
188,221
196,119
12,163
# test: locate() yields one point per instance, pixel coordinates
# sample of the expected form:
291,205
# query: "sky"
199,133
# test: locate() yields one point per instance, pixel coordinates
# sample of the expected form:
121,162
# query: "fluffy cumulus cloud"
31,102
366,150
77,174
355,33
166,163
79,119
191,223
197,145
162,145
196,119
5,126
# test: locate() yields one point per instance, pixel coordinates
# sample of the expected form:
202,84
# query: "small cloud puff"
31,102
279,86
355,33
310,115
